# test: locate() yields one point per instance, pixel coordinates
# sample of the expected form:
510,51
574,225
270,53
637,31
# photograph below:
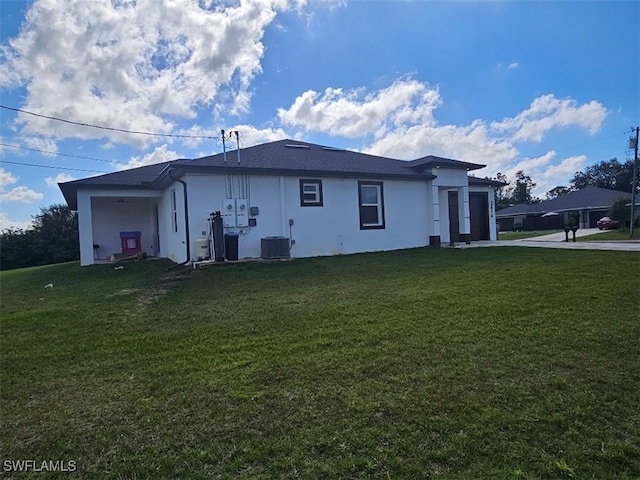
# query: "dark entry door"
479,211
454,220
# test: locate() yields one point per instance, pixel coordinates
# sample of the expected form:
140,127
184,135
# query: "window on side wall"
174,211
371,203
310,193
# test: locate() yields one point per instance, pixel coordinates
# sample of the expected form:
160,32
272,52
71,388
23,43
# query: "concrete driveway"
560,237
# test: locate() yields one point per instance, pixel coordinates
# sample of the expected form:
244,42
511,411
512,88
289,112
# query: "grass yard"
610,236
492,363
521,235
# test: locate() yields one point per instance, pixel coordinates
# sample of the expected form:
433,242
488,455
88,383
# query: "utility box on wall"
130,242
229,212
235,212
242,213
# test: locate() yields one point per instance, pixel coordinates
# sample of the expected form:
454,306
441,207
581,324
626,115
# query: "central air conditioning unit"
274,247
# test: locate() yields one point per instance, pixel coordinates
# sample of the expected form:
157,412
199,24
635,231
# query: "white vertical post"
85,228
435,202
465,213
283,208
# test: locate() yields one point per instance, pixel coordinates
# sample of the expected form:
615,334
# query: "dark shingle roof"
283,157
588,198
522,209
433,161
485,181
292,155
136,178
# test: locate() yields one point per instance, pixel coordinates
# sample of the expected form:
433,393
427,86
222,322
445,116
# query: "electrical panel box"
242,213
229,212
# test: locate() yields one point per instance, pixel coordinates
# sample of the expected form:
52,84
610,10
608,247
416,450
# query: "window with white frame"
174,211
310,193
371,205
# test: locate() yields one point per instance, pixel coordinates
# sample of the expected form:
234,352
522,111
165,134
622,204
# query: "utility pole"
634,183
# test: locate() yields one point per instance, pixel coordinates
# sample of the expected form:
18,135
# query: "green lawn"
496,363
521,235
610,236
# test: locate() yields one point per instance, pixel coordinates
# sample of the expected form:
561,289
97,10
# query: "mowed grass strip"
618,235
475,363
523,235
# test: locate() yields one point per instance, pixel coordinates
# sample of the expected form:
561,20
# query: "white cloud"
21,194
529,165
60,178
6,178
545,173
548,112
43,144
250,135
355,113
511,66
560,174
399,122
131,65
470,143
568,166
6,223
159,155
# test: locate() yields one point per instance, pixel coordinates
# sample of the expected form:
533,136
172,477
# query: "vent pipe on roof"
238,143
224,147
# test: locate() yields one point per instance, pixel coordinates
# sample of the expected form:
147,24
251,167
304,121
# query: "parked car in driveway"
606,223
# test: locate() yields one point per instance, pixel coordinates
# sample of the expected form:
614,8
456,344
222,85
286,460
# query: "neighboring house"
320,200
588,205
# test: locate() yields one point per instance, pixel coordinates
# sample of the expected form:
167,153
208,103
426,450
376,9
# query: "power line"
595,140
49,166
50,152
112,129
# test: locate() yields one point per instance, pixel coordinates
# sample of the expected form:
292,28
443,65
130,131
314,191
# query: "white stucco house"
321,200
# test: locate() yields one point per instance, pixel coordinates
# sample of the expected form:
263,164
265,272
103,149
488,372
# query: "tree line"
610,174
52,238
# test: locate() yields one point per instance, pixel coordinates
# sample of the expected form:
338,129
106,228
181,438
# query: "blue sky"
546,87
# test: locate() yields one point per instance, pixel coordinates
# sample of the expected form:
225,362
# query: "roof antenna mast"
238,143
224,147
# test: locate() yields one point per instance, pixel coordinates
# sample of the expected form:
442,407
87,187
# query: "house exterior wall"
330,229
443,195
414,210
448,177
